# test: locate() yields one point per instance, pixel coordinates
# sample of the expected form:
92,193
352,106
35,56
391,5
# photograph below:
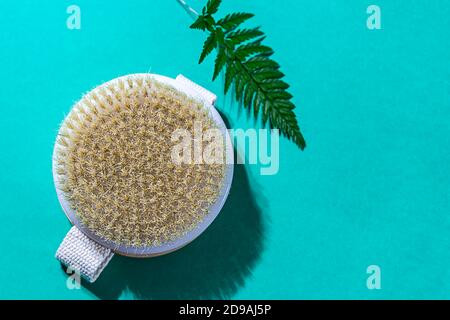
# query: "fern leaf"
239,82
220,62
212,6
249,93
233,20
275,84
246,50
199,24
208,46
287,123
257,100
281,94
259,62
267,74
242,35
229,76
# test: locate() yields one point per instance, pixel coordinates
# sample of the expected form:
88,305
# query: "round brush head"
114,166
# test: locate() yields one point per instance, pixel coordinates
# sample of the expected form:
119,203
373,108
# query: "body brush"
116,177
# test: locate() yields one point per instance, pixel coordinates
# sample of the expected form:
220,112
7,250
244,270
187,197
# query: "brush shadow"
214,266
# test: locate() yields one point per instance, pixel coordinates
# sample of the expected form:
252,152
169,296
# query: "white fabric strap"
204,94
82,254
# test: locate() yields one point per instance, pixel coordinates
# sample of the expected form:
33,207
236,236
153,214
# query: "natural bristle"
115,168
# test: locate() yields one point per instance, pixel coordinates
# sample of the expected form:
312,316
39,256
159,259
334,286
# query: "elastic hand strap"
83,254
204,94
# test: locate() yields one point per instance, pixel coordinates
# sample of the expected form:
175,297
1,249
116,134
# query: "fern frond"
249,69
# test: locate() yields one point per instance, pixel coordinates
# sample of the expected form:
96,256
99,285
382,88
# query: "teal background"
372,187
